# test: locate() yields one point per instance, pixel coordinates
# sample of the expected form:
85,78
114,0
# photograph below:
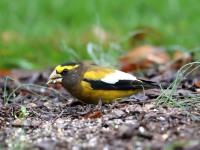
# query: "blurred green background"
40,33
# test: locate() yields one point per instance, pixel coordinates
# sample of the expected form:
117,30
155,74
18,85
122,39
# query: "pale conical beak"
54,78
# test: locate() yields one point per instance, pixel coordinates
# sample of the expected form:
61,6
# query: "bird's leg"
99,106
143,91
144,94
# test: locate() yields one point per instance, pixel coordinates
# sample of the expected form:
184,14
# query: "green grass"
36,34
180,144
174,99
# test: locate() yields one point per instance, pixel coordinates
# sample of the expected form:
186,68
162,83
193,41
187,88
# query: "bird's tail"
150,84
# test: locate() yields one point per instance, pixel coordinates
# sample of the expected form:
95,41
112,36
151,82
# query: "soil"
35,116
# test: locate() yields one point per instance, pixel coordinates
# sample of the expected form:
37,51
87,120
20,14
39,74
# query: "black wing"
122,84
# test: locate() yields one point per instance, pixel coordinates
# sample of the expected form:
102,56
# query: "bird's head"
64,71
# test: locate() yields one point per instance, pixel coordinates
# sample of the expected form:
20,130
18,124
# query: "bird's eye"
65,71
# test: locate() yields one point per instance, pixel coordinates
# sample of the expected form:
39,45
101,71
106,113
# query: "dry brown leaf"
197,84
93,115
143,57
181,58
5,72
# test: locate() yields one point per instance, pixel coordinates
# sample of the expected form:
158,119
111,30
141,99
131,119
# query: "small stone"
31,105
119,113
118,121
60,121
165,136
17,122
35,123
45,117
141,129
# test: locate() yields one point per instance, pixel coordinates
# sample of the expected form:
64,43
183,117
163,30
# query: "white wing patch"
116,76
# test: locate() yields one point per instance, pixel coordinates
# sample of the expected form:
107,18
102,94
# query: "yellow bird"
89,83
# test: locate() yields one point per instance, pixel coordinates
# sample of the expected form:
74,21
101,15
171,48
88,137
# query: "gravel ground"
35,117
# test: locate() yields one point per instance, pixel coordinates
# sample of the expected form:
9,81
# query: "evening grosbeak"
89,83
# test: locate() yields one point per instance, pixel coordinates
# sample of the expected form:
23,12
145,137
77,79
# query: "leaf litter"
39,117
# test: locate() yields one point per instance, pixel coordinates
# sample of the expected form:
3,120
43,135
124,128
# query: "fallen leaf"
5,72
197,84
143,57
93,115
180,59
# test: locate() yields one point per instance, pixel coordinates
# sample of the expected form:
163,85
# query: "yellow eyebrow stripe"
60,68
